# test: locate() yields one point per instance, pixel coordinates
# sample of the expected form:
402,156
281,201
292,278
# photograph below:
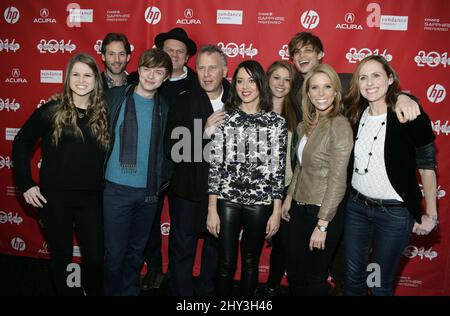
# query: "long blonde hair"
65,117
310,114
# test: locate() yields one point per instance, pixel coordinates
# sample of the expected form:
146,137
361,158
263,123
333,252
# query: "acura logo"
15,72
188,13
44,12
349,17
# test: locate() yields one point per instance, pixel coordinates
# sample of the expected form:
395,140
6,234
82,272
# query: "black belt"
376,202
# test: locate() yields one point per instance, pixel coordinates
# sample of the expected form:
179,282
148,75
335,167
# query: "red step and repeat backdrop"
37,38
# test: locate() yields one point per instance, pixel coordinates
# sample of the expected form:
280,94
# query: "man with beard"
116,53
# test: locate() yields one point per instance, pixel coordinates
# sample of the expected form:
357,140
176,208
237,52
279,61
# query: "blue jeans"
379,232
128,219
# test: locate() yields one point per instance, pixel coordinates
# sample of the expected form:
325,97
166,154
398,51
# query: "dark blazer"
190,178
401,143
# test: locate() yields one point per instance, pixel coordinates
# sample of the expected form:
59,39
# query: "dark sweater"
171,89
73,165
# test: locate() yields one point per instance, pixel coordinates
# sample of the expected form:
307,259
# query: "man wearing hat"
180,48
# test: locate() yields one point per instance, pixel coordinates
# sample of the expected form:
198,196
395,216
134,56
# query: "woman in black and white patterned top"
246,178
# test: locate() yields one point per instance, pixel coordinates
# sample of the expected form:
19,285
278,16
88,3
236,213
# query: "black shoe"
268,291
152,280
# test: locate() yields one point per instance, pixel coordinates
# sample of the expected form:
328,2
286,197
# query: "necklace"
79,113
366,169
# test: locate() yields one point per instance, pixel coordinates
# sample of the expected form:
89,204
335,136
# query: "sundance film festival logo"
310,19
18,244
431,59
76,15
413,251
439,127
15,77
54,46
349,23
229,17
8,45
10,218
98,46
232,49
152,15
51,76
9,105
354,55
10,133
11,15
436,93
284,52
44,17
385,22
189,18
440,193
6,162
165,229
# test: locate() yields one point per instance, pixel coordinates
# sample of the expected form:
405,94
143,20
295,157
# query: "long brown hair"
288,111
356,104
65,117
310,114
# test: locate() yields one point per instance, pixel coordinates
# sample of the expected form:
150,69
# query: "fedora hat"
177,34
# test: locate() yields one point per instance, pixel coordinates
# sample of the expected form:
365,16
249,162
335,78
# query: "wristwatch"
322,228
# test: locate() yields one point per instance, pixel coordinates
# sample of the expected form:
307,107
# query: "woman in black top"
74,134
246,177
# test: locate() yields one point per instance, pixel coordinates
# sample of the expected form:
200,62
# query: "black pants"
152,252
308,270
278,255
186,221
64,211
253,220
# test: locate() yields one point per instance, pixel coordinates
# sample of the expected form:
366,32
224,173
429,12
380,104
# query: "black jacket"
190,179
400,151
171,89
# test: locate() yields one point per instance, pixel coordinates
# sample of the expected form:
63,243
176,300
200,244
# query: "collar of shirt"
110,81
184,75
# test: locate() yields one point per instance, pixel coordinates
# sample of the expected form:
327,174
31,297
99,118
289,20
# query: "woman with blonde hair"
318,184
74,135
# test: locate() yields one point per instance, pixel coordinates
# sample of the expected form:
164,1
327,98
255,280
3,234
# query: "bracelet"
434,218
